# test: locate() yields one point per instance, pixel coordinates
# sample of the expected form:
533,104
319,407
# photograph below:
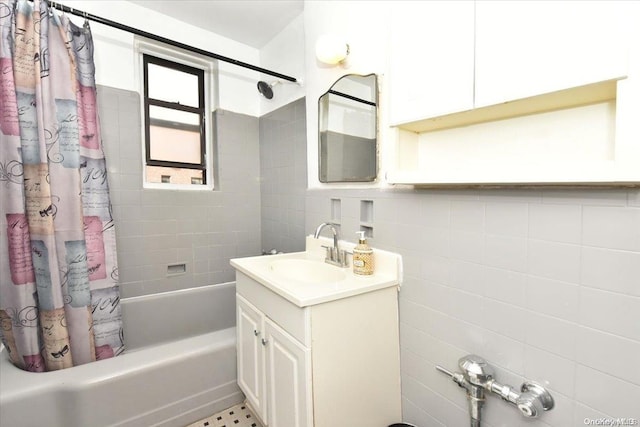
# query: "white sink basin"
304,279
307,271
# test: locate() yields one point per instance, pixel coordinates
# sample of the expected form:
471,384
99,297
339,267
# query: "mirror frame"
375,103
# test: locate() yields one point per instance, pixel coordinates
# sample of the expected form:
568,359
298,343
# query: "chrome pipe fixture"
335,255
477,377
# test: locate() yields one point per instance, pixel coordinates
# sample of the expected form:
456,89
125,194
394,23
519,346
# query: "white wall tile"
553,297
550,370
585,415
508,219
434,351
551,334
504,285
611,227
434,404
435,268
557,261
457,332
467,246
416,416
505,319
511,196
634,197
409,212
509,253
465,306
418,367
385,210
558,223
436,212
503,351
411,264
606,197
610,354
467,216
428,294
467,276
408,238
610,312
432,240
612,270
563,412
613,396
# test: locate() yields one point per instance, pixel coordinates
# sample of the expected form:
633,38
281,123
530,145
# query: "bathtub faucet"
477,376
335,256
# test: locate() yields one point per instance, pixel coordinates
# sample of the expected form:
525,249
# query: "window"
175,108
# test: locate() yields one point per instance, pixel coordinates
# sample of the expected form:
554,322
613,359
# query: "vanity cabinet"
331,364
273,369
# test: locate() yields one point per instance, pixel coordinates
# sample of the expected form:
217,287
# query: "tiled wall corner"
283,177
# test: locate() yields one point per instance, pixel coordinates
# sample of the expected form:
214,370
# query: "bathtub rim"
18,385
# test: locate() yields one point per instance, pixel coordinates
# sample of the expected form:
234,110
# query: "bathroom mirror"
347,125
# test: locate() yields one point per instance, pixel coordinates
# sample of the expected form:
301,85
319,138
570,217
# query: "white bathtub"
179,367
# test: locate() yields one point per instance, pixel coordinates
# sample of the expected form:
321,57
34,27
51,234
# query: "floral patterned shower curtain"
59,294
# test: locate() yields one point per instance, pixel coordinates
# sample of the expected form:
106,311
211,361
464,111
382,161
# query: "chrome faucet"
477,376
334,255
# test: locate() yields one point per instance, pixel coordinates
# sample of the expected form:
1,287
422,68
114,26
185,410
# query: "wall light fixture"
331,49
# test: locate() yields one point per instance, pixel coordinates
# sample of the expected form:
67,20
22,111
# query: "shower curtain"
59,294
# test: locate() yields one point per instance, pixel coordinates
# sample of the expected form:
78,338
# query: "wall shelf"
581,136
568,98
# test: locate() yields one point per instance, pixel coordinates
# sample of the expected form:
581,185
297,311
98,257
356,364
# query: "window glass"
176,139
165,175
171,85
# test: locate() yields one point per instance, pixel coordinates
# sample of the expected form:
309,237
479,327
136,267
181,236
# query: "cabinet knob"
264,342
256,332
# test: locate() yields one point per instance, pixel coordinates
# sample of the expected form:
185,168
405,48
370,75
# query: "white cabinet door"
526,48
288,366
251,372
431,59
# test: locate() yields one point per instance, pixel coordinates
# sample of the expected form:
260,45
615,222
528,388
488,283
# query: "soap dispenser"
362,256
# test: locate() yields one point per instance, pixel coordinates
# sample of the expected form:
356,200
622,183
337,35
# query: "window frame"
162,54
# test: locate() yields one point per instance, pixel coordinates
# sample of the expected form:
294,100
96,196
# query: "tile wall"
202,229
283,170
545,285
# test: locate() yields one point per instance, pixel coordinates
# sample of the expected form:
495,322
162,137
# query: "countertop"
387,273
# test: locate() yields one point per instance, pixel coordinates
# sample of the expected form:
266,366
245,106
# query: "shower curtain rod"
165,40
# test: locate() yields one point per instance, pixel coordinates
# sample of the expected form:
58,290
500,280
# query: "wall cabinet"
541,93
334,364
431,60
528,48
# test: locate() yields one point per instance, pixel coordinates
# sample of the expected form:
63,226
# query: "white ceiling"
251,22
